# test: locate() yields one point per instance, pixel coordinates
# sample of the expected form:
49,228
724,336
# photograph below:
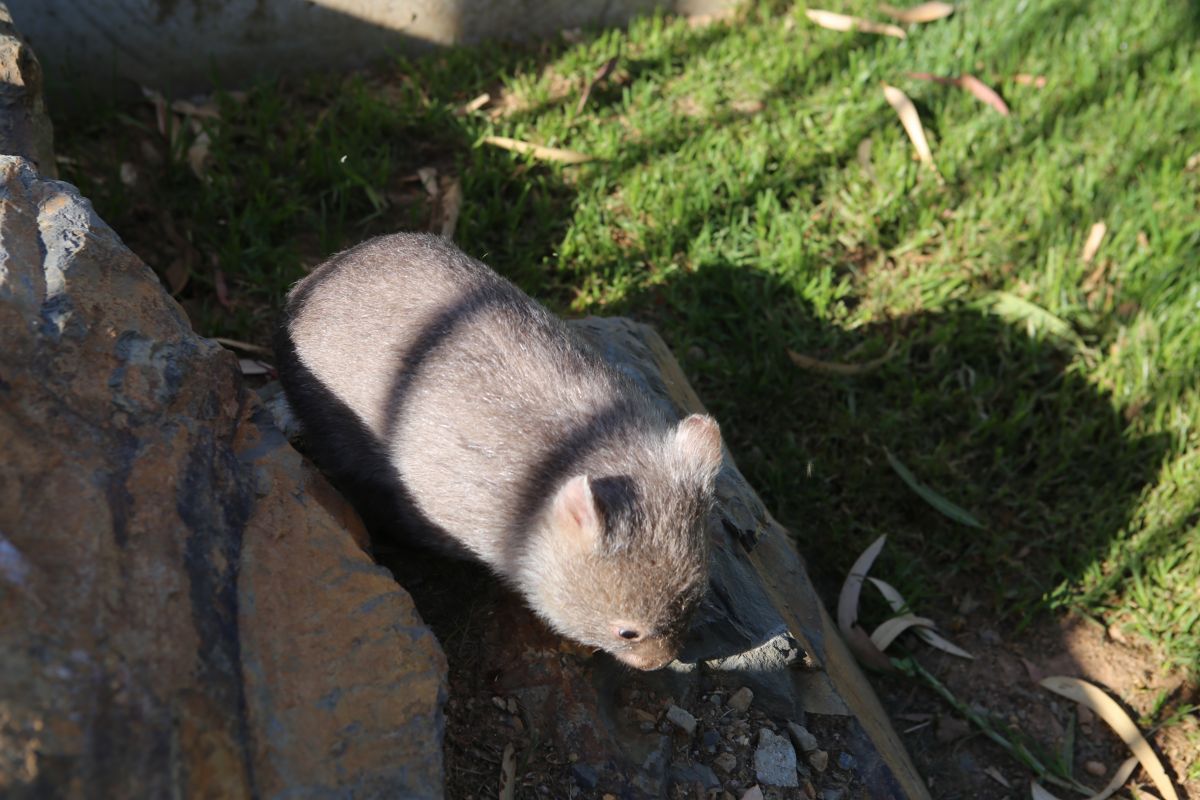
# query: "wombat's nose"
646,661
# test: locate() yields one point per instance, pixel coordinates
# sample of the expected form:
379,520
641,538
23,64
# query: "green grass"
753,192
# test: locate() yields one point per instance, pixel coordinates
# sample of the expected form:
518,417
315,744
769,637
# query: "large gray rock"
25,128
186,607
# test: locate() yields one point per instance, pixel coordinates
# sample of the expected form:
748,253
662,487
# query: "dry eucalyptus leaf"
883,636
475,104
930,637
1094,240
925,12
911,121
252,366
844,23
1037,792
847,611
601,75
835,368
537,151
237,344
995,775
451,206
984,93
177,274
428,178
1025,79
1094,698
508,773
197,154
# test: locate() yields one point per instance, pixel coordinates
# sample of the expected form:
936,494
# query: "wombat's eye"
626,633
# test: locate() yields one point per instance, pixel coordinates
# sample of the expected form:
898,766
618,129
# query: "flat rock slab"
186,608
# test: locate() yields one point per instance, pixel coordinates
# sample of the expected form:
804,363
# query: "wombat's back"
418,369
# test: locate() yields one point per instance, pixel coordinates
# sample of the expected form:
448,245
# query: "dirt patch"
960,762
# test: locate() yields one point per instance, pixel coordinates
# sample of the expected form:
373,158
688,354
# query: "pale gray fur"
485,405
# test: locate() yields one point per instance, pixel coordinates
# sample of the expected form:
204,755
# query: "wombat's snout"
648,658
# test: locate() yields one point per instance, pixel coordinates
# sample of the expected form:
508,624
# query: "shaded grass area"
754,193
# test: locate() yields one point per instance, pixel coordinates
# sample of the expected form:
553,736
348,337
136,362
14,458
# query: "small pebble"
513,708
710,740
753,793
740,700
726,762
805,742
831,794
810,791
846,761
681,719
775,760
499,703
1095,768
819,760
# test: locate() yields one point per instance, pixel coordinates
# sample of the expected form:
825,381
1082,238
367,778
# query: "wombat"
457,410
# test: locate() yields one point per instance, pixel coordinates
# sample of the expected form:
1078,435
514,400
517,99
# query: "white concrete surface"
92,48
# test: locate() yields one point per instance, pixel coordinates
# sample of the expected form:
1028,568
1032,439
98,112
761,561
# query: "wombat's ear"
576,514
699,441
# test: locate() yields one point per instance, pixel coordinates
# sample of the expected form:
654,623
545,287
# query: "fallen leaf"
1118,780
252,366
601,74
978,89
1035,673
508,773
847,610
1037,319
206,109
886,633
911,121
925,12
835,368
1025,79
537,151
475,104
222,289
900,606
197,154
844,23
1036,792
451,206
983,93
1094,240
128,173
995,775
237,344
947,508
161,115
428,178
177,275
1094,698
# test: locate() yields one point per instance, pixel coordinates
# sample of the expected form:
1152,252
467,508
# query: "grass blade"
947,508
